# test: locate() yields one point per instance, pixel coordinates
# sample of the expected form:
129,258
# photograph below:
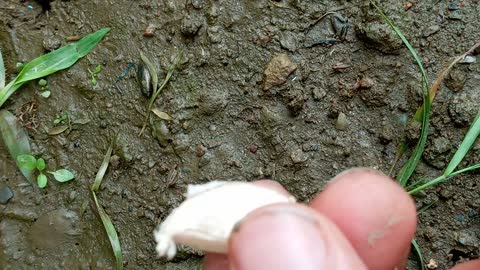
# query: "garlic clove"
207,217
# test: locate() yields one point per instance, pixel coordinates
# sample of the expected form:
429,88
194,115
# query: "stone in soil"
6,194
277,71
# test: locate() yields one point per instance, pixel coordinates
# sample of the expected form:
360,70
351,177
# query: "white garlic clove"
207,217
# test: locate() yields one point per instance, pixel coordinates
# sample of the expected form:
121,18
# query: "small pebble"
298,156
149,31
200,150
6,194
431,30
253,149
342,122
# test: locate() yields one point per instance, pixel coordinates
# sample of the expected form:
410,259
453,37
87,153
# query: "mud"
226,126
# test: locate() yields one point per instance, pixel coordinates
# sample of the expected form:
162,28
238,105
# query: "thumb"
288,237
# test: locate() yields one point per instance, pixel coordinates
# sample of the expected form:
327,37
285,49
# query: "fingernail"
286,237
357,170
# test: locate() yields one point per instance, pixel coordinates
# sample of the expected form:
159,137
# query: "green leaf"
52,62
106,221
98,69
2,71
40,164
465,146
42,180
418,251
28,162
103,167
45,94
408,169
111,232
61,58
62,175
15,139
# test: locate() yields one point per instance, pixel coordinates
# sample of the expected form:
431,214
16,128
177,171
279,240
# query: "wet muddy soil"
340,93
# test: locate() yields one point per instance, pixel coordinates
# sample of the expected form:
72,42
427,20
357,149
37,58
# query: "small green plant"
44,90
157,89
49,63
422,115
93,74
29,162
60,119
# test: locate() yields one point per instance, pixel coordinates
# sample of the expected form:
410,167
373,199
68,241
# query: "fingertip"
472,265
290,236
216,261
374,212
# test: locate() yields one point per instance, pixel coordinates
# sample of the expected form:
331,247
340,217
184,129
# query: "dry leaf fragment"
207,217
162,115
277,71
57,130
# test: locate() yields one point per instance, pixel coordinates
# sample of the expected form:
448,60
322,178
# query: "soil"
345,101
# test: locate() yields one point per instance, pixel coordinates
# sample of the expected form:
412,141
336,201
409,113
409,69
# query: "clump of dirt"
323,117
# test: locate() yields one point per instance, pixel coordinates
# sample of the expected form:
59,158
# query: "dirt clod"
277,71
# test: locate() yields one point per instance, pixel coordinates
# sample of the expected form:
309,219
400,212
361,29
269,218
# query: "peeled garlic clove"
206,218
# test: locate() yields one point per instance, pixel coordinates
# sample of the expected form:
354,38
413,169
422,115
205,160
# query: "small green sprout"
19,66
60,119
31,163
93,74
44,90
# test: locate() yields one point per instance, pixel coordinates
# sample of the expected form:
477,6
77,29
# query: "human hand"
362,220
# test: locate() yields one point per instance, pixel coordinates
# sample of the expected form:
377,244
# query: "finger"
375,213
290,236
473,265
215,261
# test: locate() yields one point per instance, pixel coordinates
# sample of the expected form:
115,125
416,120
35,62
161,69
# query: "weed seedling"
29,162
93,74
44,90
422,115
157,89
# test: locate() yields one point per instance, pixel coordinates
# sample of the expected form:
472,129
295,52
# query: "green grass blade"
2,71
61,58
465,146
103,168
16,140
418,251
111,232
107,222
412,162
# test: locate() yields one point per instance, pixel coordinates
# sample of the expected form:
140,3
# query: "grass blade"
441,77
466,144
52,62
106,221
111,232
418,251
2,71
103,168
412,162
16,140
